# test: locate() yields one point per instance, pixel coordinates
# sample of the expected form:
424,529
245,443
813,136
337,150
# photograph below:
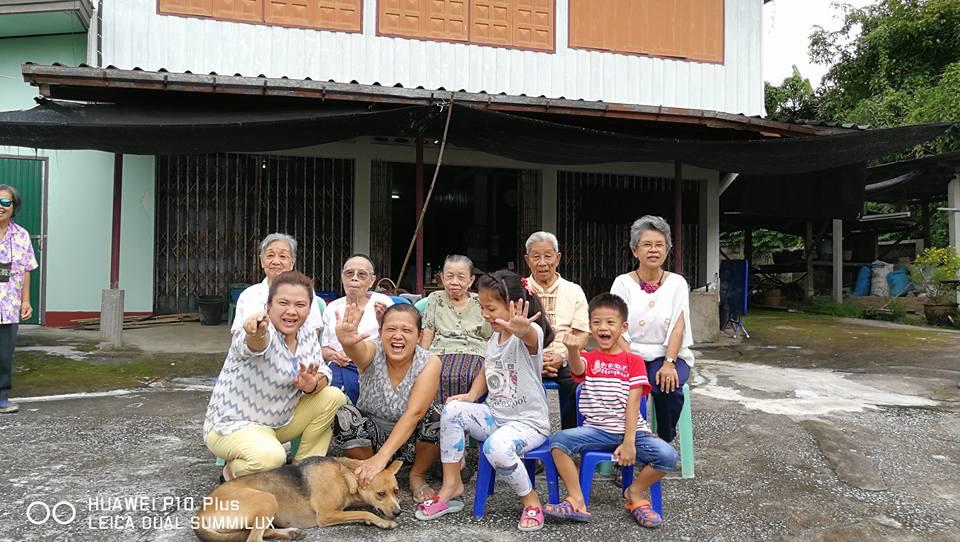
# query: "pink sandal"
531,512
435,508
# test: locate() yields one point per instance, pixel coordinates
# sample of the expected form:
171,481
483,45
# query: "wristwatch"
668,359
564,363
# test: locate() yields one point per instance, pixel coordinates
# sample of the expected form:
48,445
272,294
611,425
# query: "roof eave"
49,78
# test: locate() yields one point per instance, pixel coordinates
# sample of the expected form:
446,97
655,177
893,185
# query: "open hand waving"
347,324
519,323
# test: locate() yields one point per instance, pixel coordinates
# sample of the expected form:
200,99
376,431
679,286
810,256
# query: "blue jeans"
347,379
651,450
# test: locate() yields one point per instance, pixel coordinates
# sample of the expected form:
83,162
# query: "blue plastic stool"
486,476
591,459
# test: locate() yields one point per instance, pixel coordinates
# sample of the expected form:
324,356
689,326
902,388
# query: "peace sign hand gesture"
519,323
347,324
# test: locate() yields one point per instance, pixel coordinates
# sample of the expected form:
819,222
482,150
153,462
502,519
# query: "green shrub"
831,308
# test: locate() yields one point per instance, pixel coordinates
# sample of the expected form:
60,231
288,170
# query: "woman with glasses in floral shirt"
16,262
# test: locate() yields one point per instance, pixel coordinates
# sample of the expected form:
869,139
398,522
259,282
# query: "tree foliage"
893,63
793,99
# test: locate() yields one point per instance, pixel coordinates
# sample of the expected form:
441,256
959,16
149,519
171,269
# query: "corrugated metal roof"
99,84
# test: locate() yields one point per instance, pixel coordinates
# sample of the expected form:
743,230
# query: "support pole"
111,300
808,258
115,237
677,217
748,245
953,216
837,261
419,206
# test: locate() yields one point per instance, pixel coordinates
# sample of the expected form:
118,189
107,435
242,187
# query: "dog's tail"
206,534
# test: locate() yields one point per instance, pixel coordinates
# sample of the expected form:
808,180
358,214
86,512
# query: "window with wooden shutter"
533,24
526,24
187,7
238,10
491,22
432,19
342,15
691,29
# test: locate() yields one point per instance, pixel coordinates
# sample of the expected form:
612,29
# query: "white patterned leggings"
503,444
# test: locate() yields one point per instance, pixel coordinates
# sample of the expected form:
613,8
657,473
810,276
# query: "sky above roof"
787,26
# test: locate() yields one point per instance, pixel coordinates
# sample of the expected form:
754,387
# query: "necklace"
646,286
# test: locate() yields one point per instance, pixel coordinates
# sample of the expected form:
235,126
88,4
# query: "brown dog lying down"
278,503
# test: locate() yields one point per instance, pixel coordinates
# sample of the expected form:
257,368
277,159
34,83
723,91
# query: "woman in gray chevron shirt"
273,386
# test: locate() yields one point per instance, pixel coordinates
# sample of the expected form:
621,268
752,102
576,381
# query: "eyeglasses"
6,202
350,273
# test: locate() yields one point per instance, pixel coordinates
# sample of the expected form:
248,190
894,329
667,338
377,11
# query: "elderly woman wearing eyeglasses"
16,262
278,254
659,319
357,277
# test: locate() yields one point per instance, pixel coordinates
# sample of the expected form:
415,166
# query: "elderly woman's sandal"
435,508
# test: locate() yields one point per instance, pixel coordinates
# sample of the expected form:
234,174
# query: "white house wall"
135,35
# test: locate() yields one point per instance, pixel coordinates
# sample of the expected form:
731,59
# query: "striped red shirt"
607,382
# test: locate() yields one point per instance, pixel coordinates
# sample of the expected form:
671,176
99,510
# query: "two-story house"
325,118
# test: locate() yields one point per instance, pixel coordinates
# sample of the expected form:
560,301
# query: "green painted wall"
80,195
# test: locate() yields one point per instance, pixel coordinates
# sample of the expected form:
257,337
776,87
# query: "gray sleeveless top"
378,399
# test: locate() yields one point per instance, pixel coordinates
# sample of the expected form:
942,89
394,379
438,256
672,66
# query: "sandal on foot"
644,514
435,508
531,512
567,510
423,493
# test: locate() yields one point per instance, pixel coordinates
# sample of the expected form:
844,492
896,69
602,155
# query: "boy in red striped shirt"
614,383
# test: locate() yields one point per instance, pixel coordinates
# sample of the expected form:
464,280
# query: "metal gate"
27,176
594,214
213,211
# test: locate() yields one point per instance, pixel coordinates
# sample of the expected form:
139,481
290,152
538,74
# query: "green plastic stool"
231,312
684,433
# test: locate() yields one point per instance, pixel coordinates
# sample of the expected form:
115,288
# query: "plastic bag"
878,278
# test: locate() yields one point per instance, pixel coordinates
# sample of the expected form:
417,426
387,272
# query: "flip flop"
433,509
531,512
567,510
419,490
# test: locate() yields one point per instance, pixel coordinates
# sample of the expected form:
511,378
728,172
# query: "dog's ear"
394,467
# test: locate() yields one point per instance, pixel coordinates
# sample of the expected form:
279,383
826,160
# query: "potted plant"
935,273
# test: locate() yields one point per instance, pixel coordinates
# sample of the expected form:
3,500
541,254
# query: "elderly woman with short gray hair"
278,254
659,319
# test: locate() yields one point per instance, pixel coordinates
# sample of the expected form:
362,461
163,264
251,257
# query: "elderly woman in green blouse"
454,330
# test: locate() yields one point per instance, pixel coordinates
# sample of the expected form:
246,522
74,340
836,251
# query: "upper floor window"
521,24
341,15
690,29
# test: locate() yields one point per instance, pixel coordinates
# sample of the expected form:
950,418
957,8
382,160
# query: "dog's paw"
296,534
387,524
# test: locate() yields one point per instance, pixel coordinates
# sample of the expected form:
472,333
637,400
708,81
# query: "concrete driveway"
785,451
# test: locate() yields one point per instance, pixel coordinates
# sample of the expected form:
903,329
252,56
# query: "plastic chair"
421,305
486,476
684,433
321,304
589,461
